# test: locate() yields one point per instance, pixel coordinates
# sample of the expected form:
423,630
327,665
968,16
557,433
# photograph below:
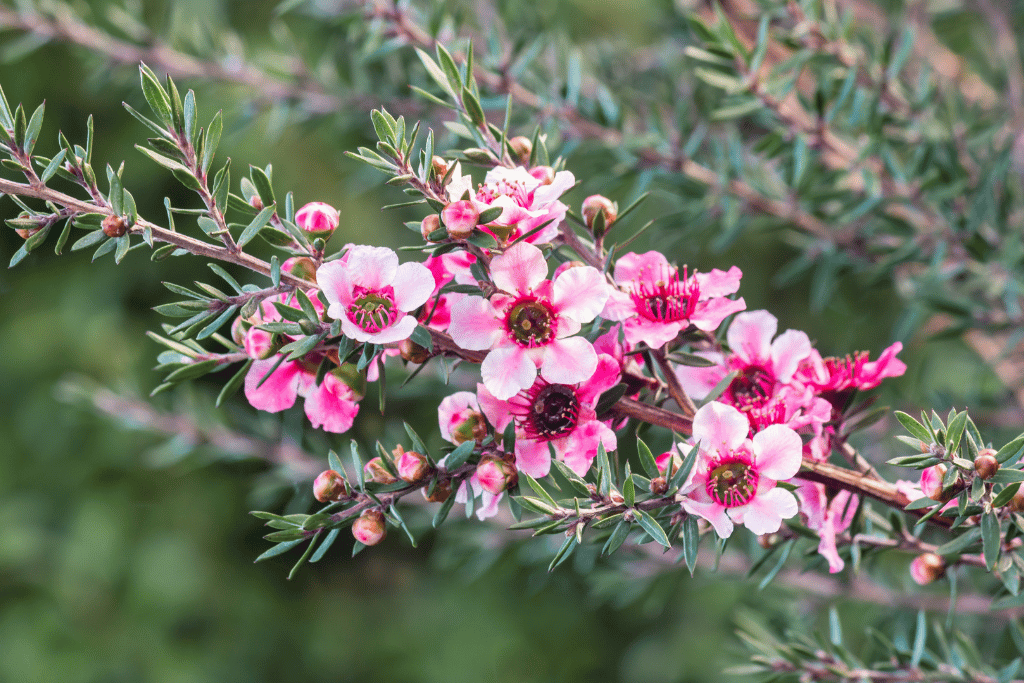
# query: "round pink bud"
260,344
412,467
370,528
927,568
377,473
329,486
460,218
318,219
429,224
496,475
545,174
596,205
931,482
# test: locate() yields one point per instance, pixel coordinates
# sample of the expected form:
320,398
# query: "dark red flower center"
666,299
751,388
732,482
546,411
530,322
373,310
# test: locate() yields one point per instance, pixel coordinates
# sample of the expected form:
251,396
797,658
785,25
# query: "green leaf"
991,539
647,459
954,432
540,490
575,480
619,534
155,95
257,224
787,548
1004,496
421,336
691,542
1010,450
234,383
917,429
920,636
652,527
211,141
442,512
190,117
435,72
325,545
261,180
279,549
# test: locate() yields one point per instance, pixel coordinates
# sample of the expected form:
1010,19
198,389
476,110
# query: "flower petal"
720,428
519,269
474,324
714,513
533,457
402,329
750,336
331,405
709,314
497,412
604,378
764,514
718,282
279,390
580,293
778,452
333,280
788,349
568,361
633,267
507,370
371,267
414,283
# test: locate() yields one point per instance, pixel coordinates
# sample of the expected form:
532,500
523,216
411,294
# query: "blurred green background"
128,557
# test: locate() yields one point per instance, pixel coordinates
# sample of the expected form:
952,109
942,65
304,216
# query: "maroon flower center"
551,411
373,310
731,482
666,299
751,388
530,322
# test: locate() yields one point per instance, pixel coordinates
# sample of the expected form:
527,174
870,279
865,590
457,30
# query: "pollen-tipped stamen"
530,322
668,298
546,411
373,311
732,482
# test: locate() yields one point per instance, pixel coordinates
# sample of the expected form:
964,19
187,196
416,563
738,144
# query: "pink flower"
460,418
332,406
455,265
317,218
526,203
828,518
557,415
655,305
488,506
528,323
371,294
734,479
837,375
460,218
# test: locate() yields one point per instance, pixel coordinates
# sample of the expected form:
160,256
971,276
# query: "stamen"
546,411
373,310
667,299
732,482
530,322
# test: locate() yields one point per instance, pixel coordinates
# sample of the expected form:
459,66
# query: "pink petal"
709,314
279,391
764,514
334,282
545,194
813,504
372,267
750,336
580,293
698,382
714,513
788,349
604,378
402,329
475,325
533,457
453,411
582,445
640,267
719,428
497,412
638,329
887,365
568,361
331,405
507,370
488,506
778,452
719,283
520,269
413,286
619,306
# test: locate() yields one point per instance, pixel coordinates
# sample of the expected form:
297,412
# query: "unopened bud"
370,528
412,467
522,147
496,475
931,483
412,352
616,497
986,464
378,473
255,202
545,174
460,218
238,332
473,428
25,233
440,167
599,213
114,226
442,489
429,225
301,267
659,486
318,219
1017,502
329,486
767,541
927,568
260,344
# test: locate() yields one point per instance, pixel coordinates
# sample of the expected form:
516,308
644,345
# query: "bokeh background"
128,556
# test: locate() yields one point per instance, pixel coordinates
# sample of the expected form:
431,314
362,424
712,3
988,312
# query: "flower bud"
429,224
522,147
301,267
1017,502
378,473
318,219
329,486
255,202
927,568
931,482
496,475
440,167
986,464
460,218
238,332
659,486
545,174
442,489
412,467
616,497
768,541
412,352
114,226
473,428
370,528
599,213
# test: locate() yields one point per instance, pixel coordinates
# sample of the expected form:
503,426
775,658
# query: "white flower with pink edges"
655,304
371,294
734,479
560,416
529,322
526,202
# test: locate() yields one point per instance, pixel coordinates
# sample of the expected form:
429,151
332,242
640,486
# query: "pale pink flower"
734,479
317,218
332,405
526,203
488,505
529,322
372,295
460,218
655,305
828,517
561,416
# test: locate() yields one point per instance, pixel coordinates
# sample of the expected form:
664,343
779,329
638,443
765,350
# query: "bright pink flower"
331,406
837,375
371,294
828,518
561,416
488,505
455,265
529,323
317,218
525,201
655,305
734,479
